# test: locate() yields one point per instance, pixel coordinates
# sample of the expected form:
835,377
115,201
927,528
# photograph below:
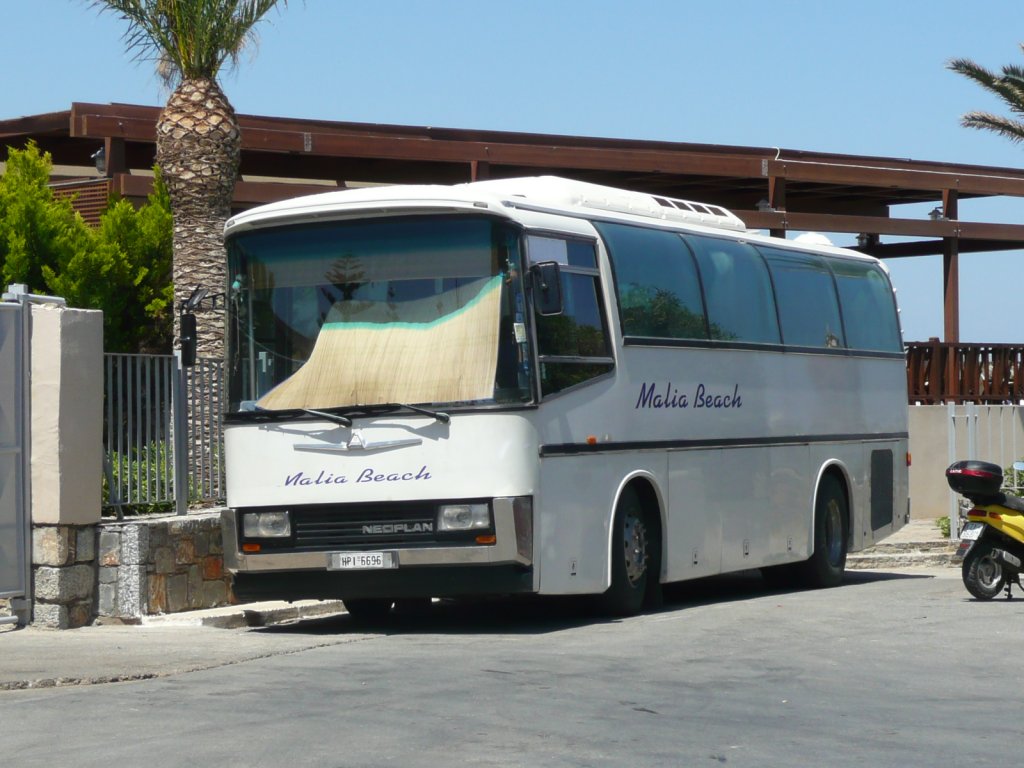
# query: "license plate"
360,561
971,531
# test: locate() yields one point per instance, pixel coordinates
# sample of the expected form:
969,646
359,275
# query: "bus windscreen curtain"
362,362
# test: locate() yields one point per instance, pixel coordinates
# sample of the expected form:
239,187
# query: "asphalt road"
887,670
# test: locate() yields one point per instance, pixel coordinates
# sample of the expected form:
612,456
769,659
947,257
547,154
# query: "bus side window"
737,289
574,346
656,283
808,306
868,308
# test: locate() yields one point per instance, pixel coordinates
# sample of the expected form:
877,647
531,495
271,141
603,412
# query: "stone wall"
63,575
161,565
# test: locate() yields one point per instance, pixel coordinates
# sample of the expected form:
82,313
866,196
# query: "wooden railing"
939,372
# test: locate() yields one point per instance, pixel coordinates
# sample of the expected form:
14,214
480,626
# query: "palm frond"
1007,85
986,121
189,38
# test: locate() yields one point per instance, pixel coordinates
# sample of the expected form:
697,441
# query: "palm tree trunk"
198,150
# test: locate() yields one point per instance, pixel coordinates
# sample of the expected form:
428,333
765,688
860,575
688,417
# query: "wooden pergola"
768,187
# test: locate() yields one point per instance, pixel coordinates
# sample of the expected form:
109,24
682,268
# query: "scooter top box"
975,478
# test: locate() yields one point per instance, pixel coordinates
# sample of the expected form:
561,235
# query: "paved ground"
176,643
883,671
166,645
43,658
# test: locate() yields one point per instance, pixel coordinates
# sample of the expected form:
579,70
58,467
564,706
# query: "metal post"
21,605
23,608
179,406
954,501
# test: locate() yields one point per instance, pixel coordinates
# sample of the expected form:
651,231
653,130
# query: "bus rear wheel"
826,566
633,544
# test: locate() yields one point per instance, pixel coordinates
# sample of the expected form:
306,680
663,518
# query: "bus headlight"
463,517
266,525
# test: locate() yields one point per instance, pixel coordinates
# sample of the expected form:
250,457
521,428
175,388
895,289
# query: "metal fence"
162,432
990,433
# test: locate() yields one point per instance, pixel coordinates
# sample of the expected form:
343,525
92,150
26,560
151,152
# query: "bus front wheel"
368,610
632,556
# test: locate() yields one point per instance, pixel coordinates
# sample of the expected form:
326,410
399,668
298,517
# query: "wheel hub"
834,532
635,541
989,572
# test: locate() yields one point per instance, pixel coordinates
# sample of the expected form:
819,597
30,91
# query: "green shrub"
122,267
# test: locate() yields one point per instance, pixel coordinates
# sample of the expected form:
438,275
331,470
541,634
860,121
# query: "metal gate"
14,522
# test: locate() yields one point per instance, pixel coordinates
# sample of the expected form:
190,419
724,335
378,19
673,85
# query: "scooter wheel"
984,576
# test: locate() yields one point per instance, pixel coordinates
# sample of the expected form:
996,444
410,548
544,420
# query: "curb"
926,554
248,615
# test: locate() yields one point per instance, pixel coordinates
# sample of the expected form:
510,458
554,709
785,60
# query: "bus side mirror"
188,339
547,288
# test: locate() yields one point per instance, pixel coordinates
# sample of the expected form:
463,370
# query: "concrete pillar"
66,449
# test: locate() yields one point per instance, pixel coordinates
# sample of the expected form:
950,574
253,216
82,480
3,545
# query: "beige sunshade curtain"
449,359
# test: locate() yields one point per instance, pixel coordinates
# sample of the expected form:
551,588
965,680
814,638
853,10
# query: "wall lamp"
937,214
866,240
99,158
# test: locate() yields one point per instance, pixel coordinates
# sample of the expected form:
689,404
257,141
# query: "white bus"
545,386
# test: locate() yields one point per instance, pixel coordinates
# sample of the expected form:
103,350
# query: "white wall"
66,438
998,437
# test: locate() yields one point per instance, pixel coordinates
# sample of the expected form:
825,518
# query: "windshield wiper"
440,416
337,418
339,415
370,410
258,413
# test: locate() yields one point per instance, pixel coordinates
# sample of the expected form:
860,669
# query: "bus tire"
826,566
368,610
632,544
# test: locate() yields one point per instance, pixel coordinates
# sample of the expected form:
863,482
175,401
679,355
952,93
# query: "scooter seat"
1008,500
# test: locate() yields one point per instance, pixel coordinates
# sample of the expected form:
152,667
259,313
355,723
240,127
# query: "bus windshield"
415,309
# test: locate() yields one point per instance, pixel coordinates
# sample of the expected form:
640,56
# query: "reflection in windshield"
415,309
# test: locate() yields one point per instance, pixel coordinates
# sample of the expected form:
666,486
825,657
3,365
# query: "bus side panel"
694,520
739,508
573,514
881,495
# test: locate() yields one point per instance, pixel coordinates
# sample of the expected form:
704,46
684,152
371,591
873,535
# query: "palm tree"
1008,86
198,139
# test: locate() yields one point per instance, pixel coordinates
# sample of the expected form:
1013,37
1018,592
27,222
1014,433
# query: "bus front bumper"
505,567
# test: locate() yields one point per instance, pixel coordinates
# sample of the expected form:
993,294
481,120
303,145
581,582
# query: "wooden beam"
479,170
898,178
879,225
777,201
113,156
950,207
951,290
247,193
934,248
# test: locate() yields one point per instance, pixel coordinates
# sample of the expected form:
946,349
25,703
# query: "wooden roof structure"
767,187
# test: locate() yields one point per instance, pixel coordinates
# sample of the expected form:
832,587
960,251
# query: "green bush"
151,474
122,267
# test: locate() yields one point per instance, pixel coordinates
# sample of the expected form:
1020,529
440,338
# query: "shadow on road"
540,615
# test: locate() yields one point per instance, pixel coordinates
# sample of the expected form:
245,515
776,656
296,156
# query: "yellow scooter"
992,541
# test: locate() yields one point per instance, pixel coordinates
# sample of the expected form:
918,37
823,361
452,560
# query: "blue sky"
858,78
